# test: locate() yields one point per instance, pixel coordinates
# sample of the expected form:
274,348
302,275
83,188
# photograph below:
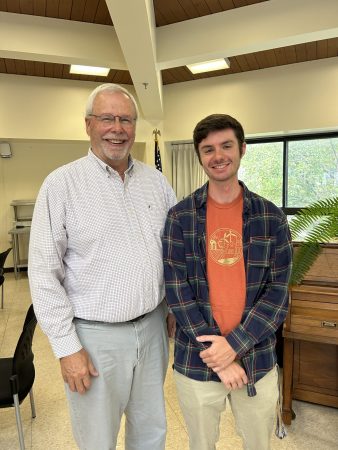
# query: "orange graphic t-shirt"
225,263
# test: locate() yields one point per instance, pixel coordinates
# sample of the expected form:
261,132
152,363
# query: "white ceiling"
136,45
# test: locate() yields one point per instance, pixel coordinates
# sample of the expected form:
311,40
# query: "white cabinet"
23,212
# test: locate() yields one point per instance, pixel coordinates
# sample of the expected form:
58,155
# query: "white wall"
278,100
48,108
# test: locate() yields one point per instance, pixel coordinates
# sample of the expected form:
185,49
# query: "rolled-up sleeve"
270,309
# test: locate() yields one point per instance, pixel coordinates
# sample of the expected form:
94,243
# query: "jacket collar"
201,196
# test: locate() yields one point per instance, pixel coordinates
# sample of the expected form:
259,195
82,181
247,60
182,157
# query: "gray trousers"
132,360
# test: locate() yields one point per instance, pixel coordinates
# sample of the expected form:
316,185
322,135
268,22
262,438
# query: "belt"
113,323
136,319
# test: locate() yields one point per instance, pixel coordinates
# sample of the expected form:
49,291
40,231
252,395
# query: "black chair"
3,257
18,373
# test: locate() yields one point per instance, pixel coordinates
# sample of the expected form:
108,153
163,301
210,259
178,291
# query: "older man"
96,277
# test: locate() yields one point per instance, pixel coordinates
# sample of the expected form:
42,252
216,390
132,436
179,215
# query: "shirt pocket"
258,268
259,252
157,215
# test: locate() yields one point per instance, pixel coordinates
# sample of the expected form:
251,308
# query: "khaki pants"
202,403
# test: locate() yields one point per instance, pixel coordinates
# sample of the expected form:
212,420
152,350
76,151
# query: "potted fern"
320,223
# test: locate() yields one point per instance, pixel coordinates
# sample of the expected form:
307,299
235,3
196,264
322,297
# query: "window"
293,171
312,171
262,170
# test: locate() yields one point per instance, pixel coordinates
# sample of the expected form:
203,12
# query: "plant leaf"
325,213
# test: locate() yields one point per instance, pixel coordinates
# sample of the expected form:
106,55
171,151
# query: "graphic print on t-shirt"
225,246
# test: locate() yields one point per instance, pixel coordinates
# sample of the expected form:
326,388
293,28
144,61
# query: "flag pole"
157,153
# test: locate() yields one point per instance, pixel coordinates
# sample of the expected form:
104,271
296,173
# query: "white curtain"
188,174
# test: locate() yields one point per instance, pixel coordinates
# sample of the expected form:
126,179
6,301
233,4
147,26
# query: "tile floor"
316,427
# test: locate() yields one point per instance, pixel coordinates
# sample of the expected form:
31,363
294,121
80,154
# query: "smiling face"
112,143
220,156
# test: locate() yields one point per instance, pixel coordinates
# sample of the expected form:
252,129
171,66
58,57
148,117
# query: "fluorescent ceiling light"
208,66
89,70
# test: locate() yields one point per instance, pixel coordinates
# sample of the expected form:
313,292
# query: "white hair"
109,87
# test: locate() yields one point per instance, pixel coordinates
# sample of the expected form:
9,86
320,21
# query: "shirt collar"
202,195
246,198
108,169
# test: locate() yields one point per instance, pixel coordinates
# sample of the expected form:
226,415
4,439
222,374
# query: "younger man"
227,257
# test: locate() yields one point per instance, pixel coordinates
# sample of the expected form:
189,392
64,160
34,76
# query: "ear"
199,157
243,149
87,121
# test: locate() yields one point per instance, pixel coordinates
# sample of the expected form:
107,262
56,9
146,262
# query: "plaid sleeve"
270,310
180,294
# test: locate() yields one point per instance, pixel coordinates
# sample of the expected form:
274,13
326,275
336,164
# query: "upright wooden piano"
310,357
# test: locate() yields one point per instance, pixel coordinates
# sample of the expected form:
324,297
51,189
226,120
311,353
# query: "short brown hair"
217,122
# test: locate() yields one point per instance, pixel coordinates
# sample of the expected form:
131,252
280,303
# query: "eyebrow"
228,141
114,115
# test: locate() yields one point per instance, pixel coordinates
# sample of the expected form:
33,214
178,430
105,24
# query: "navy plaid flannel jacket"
267,254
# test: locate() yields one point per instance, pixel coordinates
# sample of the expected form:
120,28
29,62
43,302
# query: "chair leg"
18,421
2,296
31,398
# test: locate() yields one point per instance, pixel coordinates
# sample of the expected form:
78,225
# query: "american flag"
158,163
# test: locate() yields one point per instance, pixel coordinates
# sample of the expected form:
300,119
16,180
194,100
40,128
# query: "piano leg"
288,414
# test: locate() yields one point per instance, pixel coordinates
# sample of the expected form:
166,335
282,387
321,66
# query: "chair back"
23,358
3,257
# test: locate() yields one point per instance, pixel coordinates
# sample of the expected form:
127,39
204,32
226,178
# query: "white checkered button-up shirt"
95,247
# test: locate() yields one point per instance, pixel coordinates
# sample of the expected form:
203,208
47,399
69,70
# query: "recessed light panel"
89,70
209,66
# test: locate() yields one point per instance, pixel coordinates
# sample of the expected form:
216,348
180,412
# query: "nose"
219,153
117,124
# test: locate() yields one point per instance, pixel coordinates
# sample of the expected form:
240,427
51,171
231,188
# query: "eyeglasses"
109,119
